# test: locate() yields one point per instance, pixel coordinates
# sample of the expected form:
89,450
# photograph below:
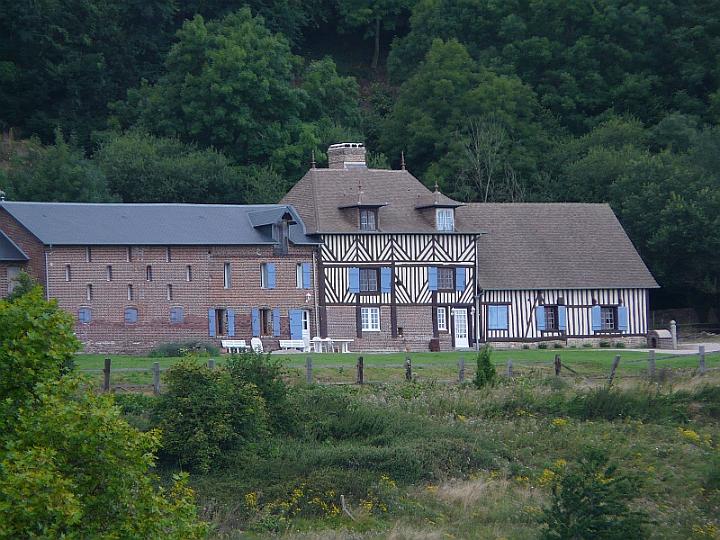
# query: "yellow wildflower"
560,422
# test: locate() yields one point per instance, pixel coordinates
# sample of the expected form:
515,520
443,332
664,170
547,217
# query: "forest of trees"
217,101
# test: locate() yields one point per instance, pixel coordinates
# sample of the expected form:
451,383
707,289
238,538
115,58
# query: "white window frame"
299,281
264,276
227,275
169,292
89,292
130,293
108,273
442,320
445,219
370,319
188,273
68,273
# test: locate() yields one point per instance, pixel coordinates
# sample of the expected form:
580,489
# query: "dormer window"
368,219
445,219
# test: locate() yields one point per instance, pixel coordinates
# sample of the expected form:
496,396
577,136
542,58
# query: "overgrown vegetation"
485,374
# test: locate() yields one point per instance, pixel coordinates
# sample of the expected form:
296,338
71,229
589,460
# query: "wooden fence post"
651,364
558,365
360,373
308,369
701,354
615,363
211,363
509,368
461,370
106,375
408,369
156,378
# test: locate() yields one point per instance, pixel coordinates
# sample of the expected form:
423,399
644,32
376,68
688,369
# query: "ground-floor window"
608,318
442,319
370,318
266,322
220,322
551,318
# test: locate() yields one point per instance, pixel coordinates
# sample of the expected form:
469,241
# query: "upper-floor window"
168,254
227,276
88,292
88,254
128,254
267,276
446,279
445,219
148,273
108,273
188,273
130,293
169,292
68,273
368,219
368,280
299,275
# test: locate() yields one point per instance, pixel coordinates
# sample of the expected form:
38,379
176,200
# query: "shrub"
604,344
266,374
542,346
591,500
619,345
205,411
183,348
587,345
485,374
526,346
558,345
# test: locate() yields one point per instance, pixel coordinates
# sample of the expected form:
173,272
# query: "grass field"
339,368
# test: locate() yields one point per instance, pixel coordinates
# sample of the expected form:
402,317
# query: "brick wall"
32,247
3,280
416,322
108,331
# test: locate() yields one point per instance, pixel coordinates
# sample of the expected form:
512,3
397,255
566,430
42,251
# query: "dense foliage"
613,101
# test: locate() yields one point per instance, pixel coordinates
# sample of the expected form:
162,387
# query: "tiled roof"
9,251
554,245
151,224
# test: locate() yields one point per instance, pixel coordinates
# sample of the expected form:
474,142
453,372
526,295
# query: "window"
168,254
148,273
129,254
370,318
88,292
130,295
84,315
227,276
266,322
551,318
188,273
442,319
108,272
445,219
13,273
267,276
369,280
368,219
446,279
608,318
131,315
177,315
169,292
68,273
221,321
299,275
88,254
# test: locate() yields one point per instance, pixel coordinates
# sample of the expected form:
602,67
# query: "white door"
460,325
306,328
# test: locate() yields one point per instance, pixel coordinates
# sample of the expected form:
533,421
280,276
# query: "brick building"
137,275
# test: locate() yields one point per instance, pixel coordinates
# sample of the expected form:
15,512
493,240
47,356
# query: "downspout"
315,294
47,276
476,284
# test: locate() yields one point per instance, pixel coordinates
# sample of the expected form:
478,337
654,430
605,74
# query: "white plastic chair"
256,345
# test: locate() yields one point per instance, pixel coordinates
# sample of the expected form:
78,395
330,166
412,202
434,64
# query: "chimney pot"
346,156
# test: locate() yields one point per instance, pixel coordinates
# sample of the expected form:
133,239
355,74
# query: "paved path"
683,348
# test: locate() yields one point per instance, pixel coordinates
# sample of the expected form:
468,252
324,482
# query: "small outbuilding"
660,339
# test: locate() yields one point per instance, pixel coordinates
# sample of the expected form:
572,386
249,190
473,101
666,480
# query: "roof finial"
437,188
402,159
312,159
2,195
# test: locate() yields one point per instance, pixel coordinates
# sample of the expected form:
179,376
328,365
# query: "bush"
183,348
526,346
587,345
266,374
619,345
205,411
591,500
558,345
604,344
542,346
485,374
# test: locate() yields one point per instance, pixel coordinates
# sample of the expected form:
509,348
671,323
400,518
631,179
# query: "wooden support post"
106,375
651,364
615,363
461,370
509,368
156,378
308,369
701,355
558,365
211,363
408,369
360,371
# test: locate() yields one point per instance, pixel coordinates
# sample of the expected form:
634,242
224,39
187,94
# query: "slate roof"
151,224
554,245
321,194
9,251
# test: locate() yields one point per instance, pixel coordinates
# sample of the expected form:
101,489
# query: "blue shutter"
211,322
385,279
354,280
306,275
497,317
595,315
562,318
271,275
84,315
432,278
176,315
295,323
460,279
131,315
276,322
492,317
622,318
255,319
540,317
231,322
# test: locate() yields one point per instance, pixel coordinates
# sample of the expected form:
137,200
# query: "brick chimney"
346,156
